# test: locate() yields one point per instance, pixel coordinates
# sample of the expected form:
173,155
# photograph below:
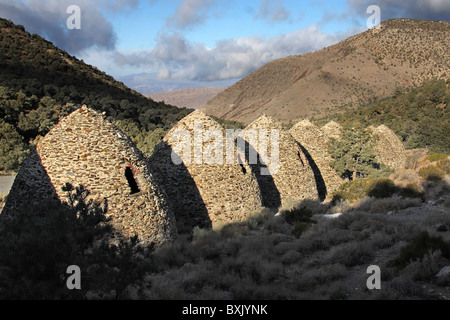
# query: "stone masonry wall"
316,143
85,149
333,130
294,179
388,148
204,194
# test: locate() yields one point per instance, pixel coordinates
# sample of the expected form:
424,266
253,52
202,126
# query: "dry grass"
263,258
2,201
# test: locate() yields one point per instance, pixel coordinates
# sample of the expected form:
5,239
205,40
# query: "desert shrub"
258,219
443,280
414,157
301,214
357,189
2,200
199,233
291,256
351,191
436,190
444,165
300,228
395,203
432,173
447,202
412,190
382,188
39,243
405,176
339,290
435,157
300,219
325,274
437,217
351,254
400,289
426,268
421,245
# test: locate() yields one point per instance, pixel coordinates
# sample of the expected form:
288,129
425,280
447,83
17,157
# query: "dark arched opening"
131,181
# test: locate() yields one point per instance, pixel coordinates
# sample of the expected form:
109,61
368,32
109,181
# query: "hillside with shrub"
367,66
310,250
39,84
420,116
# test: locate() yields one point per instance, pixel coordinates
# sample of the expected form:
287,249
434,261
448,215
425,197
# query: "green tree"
353,154
12,148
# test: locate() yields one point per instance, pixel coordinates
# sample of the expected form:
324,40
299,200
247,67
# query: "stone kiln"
293,178
205,189
333,130
315,145
86,149
388,147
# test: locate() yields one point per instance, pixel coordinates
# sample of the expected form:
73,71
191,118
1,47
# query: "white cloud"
273,11
190,13
176,58
415,9
48,18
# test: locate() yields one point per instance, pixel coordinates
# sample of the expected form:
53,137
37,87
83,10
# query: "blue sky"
154,45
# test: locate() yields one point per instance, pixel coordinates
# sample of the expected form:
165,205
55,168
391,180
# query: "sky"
154,45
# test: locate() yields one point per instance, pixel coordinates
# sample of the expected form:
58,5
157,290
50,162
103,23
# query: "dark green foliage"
13,150
421,245
301,214
382,188
444,165
40,84
229,124
432,173
376,188
353,155
420,116
353,190
411,191
300,218
434,157
38,244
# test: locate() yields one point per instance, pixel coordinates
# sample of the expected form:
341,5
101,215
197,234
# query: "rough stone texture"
86,149
294,179
333,130
315,143
389,149
202,194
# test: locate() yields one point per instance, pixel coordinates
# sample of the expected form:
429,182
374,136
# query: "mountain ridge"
366,67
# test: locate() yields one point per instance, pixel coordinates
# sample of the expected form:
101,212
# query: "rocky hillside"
365,67
40,83
192,98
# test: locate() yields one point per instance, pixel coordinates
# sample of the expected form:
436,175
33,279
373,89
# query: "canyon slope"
366,67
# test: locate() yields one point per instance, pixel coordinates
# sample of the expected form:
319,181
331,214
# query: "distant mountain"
366,67
193,98
147,83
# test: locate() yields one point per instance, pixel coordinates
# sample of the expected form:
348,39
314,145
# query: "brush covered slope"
365,67
40,84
